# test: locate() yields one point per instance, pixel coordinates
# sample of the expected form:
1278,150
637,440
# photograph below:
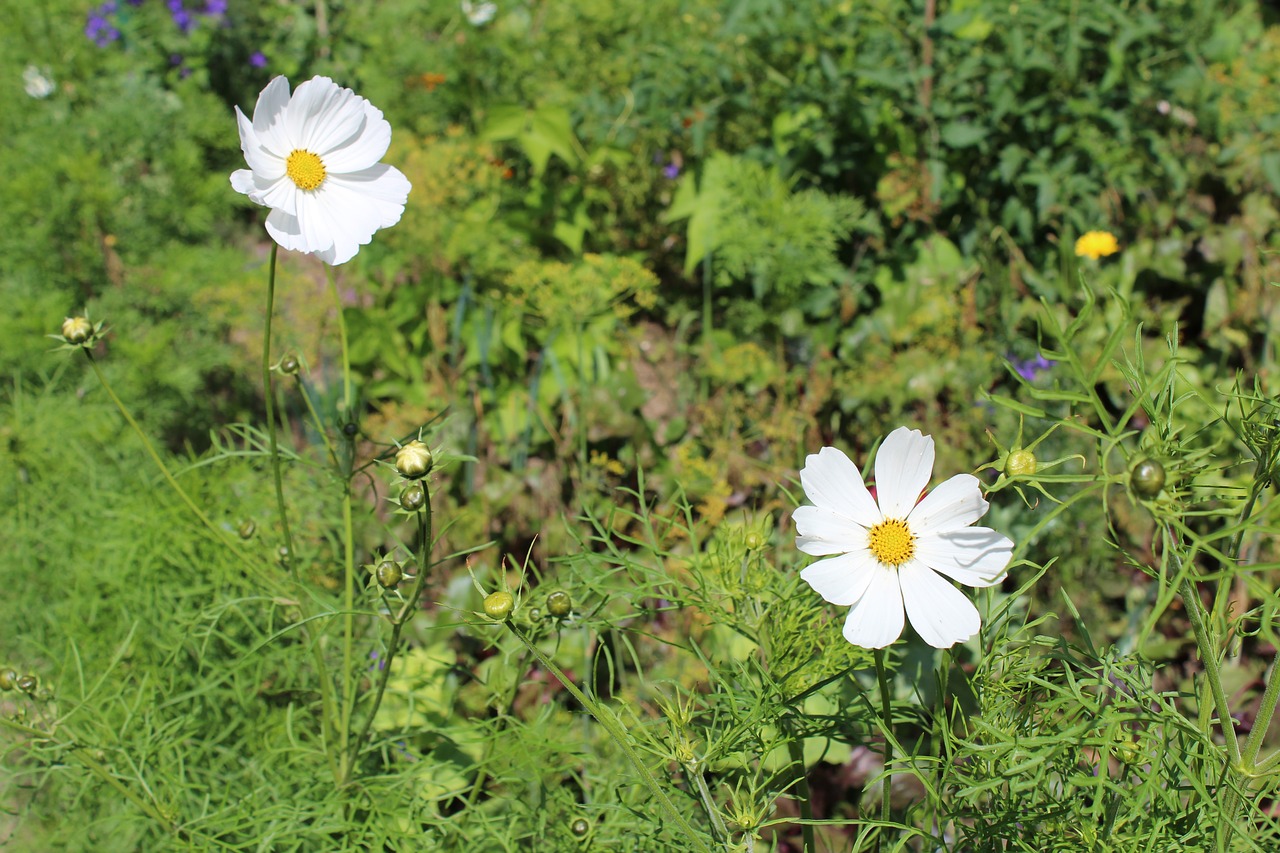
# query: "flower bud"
77,330
413,461
247,528
579,828
498,605
1146,479
1020,463
27,683
351,429
414,497
289,364
8,679
388,574
754,540
559,604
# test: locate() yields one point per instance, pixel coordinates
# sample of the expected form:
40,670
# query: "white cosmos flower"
479,14
313,159
893,549
36,82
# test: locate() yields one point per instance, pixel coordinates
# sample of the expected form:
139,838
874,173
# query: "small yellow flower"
1096,244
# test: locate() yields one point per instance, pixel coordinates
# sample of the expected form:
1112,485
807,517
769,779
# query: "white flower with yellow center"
894,548
313,159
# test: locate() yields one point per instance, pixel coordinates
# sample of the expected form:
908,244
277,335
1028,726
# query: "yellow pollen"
892,542
305,169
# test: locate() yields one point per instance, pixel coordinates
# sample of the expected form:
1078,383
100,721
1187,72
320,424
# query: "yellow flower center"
304,169
892,542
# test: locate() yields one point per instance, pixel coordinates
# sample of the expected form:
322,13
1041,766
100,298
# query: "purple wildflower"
1032,367
258,59
181,17
215,8
671,171
98,28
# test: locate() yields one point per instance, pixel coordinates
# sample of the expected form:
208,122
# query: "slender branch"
398,622
619,736
886,720
269,395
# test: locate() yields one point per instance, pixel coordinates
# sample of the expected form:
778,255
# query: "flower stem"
886,720
269,396
619,736
397,624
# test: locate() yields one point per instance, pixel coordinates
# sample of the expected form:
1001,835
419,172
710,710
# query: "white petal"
904,464
876,620
844,579
323,116
383,188
832,481
281,194
955,504
285,229
365,148
941,614
269,113
974,556
242,181
823,532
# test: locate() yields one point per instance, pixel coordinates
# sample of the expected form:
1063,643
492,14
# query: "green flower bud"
8,679
1146,479
754,540
498,605
77,330
283,553
27,683
534,614
414,497
580,828
247,529
351,429
289,364
413,461
388,574
1020,463
559,604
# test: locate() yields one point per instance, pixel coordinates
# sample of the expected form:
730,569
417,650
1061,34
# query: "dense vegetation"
655,254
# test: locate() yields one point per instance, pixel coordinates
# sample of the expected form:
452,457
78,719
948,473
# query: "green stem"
694,772
886,720
795,746
397,625
1262,721
1212,673
619,736
319,424
349,676
342,339
268,394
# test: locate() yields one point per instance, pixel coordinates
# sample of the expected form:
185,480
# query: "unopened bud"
388,574
413,498
413,461
27,683
77,330
8,679
247,528
559,604
498,605
1020,463
289,364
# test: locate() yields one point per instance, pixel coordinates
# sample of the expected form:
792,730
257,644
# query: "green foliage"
655,253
